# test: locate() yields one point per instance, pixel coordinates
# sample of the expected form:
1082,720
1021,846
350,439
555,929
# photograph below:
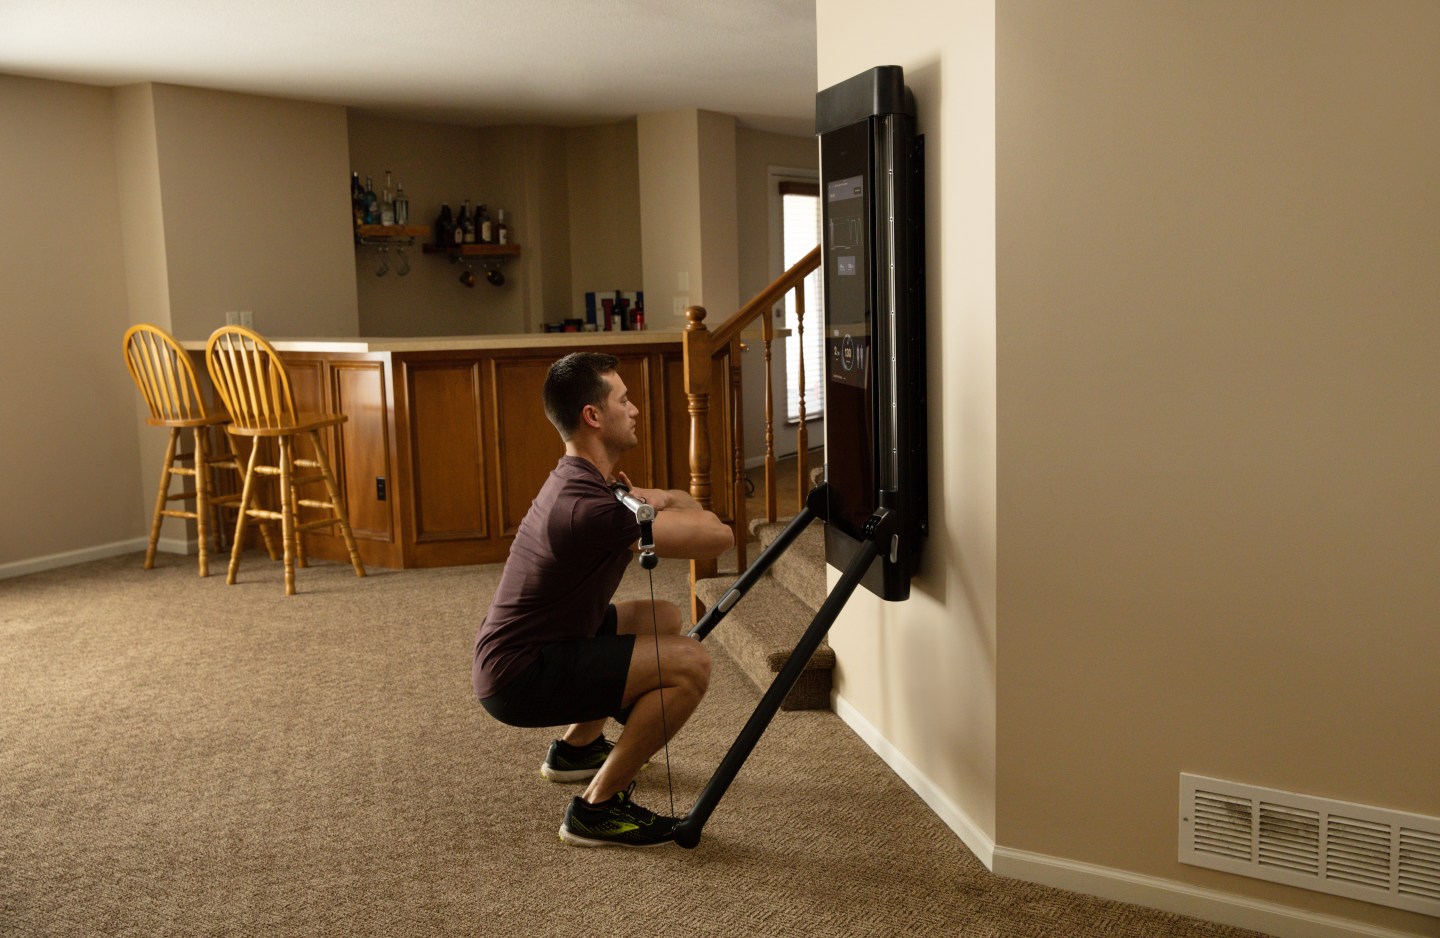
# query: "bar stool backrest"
251,379
164,374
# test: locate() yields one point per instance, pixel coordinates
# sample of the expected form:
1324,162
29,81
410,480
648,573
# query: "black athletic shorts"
572,682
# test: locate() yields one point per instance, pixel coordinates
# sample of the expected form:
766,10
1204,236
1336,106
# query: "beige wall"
70,458
604,200
1183,498
669,150
719,265
687,215
572,201
1219,227
545,224
445,163
255,195
923,673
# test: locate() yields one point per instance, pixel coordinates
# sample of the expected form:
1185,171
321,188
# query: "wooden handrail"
703,353
765,299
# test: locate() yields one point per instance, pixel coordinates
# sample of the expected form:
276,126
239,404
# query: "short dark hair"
575,381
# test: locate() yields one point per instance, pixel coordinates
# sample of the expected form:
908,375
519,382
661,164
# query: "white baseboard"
948,811
85,555
1180,898
1104,882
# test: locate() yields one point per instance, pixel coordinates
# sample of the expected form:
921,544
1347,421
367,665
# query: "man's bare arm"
691,533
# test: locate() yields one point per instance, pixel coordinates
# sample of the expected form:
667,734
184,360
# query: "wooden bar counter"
446,441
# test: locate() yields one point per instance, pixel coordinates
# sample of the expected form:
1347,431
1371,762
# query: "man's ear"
591,415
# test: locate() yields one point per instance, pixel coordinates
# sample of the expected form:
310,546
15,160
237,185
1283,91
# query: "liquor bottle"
372,204
402,206
445,226
357,200
387,202
465,225
487,232
502,230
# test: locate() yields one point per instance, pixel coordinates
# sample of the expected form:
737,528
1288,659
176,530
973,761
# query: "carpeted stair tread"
760,633
802,567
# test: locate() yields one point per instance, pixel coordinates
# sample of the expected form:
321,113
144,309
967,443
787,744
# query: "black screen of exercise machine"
871,177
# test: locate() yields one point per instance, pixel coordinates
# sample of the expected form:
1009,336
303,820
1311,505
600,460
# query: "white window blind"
800,205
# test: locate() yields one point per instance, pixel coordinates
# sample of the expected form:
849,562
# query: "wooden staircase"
761,630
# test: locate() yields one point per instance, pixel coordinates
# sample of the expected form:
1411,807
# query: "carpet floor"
179,757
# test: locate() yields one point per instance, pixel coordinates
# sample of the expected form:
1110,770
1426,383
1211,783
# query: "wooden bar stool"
163,372
252,381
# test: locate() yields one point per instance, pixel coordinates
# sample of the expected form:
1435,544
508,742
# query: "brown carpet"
179,757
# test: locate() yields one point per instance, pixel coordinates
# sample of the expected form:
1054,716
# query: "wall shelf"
476,251
390,234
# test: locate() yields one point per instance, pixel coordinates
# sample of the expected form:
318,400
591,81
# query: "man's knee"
697,666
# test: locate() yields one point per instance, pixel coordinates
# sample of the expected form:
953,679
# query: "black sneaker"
567,763
618,822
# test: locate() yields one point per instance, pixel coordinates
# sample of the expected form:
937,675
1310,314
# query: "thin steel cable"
660,679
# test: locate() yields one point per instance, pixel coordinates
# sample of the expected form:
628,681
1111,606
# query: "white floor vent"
1386,857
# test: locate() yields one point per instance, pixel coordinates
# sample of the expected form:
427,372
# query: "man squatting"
553,650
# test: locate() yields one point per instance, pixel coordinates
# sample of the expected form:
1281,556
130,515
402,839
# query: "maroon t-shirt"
567,560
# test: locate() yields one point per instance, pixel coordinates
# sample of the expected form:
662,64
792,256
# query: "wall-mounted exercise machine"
874,497
871,181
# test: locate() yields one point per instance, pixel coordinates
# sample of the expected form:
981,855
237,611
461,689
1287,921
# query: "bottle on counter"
387,201
402,206
465,231
372,204
502,230
445,226
487,232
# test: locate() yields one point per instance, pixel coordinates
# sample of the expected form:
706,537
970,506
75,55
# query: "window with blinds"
800,225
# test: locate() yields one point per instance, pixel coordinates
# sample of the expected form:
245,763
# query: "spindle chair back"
251,378
167,380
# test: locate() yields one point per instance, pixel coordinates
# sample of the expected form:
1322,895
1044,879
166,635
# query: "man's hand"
660,499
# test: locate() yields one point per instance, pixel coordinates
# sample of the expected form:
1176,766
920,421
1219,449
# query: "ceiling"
475,62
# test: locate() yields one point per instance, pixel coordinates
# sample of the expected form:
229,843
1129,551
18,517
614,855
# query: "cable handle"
645,514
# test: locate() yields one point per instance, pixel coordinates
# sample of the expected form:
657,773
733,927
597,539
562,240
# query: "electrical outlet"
380,488
680,303
245,318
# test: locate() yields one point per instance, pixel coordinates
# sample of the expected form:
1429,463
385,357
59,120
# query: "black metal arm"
645,514
877,532
814,508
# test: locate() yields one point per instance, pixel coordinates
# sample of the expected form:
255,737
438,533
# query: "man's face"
617,427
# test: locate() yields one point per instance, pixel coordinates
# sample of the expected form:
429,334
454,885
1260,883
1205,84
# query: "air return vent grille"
1381,856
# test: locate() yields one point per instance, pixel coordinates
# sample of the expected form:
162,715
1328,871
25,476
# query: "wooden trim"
766,299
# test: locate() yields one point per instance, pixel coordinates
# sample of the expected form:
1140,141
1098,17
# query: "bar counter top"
363,345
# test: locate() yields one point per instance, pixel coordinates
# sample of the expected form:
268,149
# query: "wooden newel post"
696,347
